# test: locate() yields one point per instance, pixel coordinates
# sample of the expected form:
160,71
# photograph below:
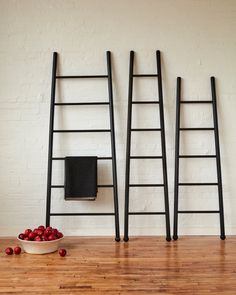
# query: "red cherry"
41,227
26,239
27,232
35,231
21,236
17,250
32,235
52,237
9,251
47,232
62,252
54,231
37,239
59,235
49,228
40,232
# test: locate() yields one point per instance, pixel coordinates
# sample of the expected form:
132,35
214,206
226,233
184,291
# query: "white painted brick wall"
197,40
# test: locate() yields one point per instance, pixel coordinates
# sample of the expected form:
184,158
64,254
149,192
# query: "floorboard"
144,265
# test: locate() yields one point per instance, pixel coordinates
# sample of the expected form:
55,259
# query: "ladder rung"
98,158
145,102
197,183
80,103
196,101
82,130
146,157
82,214
197,156
195,129
99,185
190,212
147,213
82,76
146,185
145,75
146,129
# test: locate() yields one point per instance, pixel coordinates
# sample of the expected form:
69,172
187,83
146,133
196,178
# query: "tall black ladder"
52,131
179,101
163,146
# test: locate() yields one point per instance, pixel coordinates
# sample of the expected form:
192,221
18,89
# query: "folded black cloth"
80,178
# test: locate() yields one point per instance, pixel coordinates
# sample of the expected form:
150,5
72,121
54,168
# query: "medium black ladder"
179,101
163,146
55,77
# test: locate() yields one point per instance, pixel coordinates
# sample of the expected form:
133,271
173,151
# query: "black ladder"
159,157
179,101
55,77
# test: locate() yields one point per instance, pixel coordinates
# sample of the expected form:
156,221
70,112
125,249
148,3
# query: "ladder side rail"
50,145
113,147
163,145
128,144
218,162
176,182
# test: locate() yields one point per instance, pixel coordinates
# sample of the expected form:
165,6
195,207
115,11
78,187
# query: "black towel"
80,178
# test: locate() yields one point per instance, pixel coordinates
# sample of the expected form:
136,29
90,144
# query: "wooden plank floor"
191,265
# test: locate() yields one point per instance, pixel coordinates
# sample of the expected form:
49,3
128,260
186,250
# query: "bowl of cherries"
41,240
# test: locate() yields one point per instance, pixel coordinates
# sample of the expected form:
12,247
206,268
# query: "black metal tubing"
82,130
197,129
145,129
145,157
218,164
216,156
145,102
176,189
128,146
199,212
80,103
147,213
82,77
99,185
50,145
82,214
146,185
113,146
196,101
128,143
111,130
98,158
197,156
163,144
197,183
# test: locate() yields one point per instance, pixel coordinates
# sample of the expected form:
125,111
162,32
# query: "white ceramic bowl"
43,247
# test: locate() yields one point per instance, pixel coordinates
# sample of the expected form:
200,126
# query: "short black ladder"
179,101
111,130
159,157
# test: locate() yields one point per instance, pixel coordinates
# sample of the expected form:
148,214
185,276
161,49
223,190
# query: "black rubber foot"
175,238
126,239
223,237
117,239
168,239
